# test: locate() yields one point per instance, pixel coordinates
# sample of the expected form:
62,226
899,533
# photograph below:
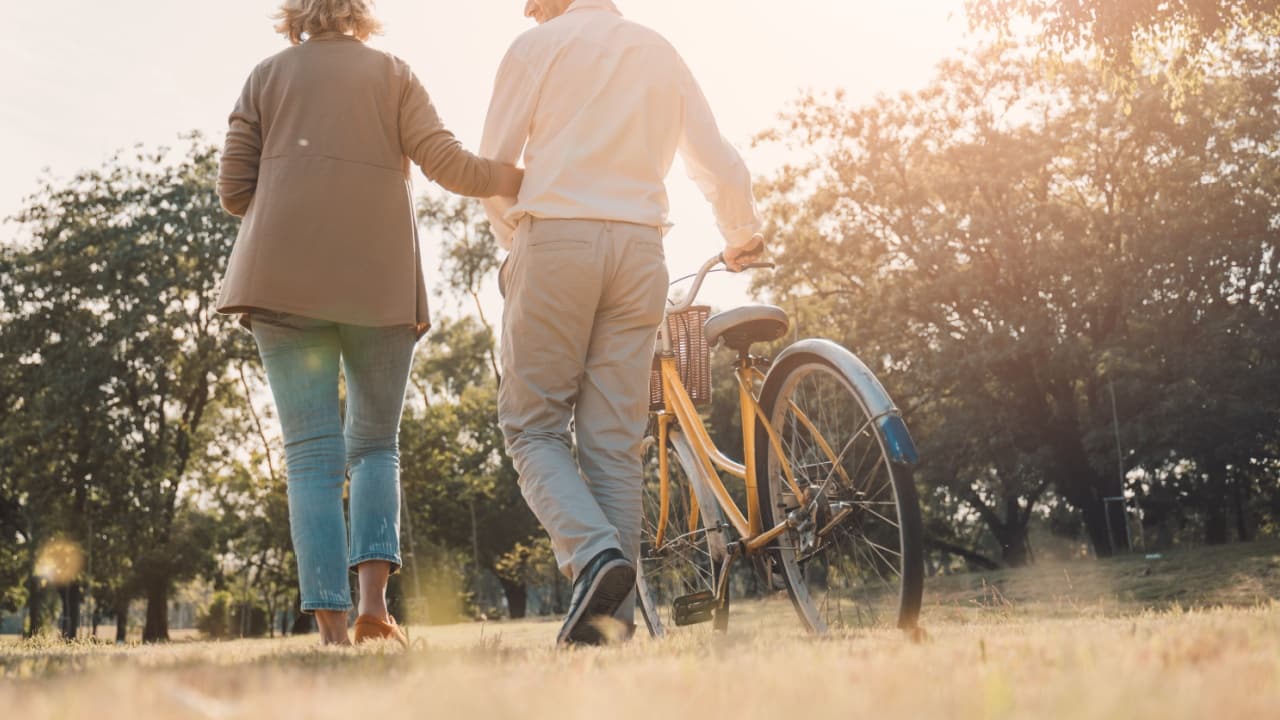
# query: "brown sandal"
369,628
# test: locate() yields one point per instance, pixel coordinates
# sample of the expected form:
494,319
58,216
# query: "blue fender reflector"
896,438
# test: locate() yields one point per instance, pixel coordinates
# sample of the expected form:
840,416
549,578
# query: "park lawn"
1193,634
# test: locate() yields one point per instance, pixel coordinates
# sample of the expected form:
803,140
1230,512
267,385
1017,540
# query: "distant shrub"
215,621
225,618
249,620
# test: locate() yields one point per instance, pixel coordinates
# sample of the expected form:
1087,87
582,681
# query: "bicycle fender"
888,417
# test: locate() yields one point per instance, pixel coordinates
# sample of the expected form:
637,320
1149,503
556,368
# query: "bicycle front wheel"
682,542
855,557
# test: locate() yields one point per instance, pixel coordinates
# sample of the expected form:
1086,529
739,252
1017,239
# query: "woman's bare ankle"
373,588
380,613
333,627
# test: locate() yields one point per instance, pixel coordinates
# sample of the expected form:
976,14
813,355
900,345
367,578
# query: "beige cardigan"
317,163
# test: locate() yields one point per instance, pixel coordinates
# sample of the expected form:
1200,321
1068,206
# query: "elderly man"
598,106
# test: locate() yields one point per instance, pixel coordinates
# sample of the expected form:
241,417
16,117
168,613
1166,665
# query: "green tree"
244,483
54,443
457,475
458,482
999,246
1119,27
111,305
1205,292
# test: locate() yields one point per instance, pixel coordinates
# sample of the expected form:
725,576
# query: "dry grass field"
1194,634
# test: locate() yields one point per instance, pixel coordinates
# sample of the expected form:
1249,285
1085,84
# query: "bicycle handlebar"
706,269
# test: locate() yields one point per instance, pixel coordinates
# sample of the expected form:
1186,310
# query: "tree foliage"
1116,27
109,318
458,479
1008,244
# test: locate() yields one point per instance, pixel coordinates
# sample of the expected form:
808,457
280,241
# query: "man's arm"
718,169
506,130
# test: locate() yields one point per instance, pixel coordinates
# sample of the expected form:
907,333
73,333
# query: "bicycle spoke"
852,566
887,521
684,565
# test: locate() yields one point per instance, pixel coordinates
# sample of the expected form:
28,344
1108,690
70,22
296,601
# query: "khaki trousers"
584,299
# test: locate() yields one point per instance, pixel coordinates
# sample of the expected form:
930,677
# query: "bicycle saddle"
740,327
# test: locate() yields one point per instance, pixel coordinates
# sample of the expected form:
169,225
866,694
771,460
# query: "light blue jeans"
302,358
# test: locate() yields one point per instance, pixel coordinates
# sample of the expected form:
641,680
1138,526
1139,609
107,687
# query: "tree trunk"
971,557
1095,525
1215,522
35,607
1080,484
560,593
122,617
301,621
1011,533
157,626
302,624
517,598
1105,522
1118,519
1215,501
396,604
1240,498
1013,545
73,596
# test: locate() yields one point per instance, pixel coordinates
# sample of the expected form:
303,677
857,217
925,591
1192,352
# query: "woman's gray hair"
312,17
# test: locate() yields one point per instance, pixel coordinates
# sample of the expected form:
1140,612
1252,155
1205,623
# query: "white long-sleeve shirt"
598,106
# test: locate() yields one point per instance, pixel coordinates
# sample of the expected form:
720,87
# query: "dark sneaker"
598,592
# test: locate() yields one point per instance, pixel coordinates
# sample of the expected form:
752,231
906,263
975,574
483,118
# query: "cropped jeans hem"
310,607
389,556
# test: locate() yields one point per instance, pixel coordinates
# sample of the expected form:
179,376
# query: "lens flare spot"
613,629
59,561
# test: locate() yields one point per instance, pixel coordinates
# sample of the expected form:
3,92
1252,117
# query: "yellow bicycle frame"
679,408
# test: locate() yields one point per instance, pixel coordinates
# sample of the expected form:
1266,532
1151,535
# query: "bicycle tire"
793,553
690,564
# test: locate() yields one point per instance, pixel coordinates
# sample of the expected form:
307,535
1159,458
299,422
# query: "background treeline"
1060,256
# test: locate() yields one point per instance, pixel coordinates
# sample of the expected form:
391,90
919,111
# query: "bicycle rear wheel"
856,557
685,561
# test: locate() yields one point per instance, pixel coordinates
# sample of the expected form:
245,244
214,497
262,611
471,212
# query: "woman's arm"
242,152
506,179
426,141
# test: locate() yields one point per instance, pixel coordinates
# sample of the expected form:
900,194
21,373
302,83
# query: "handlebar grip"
761,266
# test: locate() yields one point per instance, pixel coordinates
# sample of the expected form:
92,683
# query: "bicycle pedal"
769,572
693,609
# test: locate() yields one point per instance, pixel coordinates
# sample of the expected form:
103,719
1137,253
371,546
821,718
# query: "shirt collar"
331,35
606,5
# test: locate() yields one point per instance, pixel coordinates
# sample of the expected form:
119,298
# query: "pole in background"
1115,424
89,582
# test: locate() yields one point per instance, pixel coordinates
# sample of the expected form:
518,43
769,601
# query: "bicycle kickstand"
721,623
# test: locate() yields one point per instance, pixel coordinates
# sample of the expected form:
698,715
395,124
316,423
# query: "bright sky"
88,77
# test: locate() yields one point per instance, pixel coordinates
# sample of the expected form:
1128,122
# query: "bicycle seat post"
664,338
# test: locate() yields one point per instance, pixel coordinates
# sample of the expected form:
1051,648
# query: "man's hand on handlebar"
738,259
742,260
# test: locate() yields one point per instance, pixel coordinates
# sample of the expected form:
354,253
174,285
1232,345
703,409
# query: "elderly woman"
327,271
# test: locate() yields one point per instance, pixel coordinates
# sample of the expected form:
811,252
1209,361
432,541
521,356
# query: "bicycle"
832,514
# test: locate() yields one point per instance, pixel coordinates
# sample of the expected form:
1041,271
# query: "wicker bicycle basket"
693,357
